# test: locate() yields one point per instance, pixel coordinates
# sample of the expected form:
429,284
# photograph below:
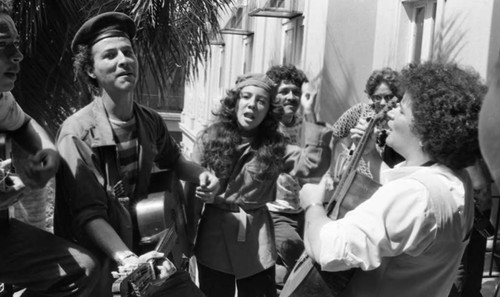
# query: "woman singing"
409,237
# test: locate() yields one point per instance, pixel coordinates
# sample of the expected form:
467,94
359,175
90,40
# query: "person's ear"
90,72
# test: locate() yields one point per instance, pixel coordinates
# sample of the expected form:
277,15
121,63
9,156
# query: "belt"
241,216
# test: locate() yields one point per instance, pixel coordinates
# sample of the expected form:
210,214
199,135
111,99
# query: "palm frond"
172,38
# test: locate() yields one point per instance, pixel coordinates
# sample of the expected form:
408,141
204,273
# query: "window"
221,67
236,20
277,3
278,9
248,52
238,24
293,36
422,16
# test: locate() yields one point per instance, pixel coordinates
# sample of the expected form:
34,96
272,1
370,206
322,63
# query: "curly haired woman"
235,240
381,87
408,238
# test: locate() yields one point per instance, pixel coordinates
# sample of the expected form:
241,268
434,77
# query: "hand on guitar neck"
370,150
359,130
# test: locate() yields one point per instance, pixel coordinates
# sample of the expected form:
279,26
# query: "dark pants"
214,283
288,230
43,263
470,272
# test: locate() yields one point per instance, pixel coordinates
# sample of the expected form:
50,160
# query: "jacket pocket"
256,191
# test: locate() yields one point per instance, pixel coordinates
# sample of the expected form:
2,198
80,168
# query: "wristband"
128,255
313,204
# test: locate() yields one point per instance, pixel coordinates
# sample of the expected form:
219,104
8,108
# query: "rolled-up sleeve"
12,116
166,148
78,183
314,159
396,219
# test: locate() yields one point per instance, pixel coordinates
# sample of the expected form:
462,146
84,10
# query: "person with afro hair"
408,238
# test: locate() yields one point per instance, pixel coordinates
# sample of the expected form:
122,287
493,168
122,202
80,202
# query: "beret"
256,79
101,26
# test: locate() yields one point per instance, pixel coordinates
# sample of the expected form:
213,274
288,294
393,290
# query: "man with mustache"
29,257
287,215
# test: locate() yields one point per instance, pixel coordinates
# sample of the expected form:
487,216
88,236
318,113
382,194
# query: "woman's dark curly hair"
288,73
82,61
384,75
445,102
221,140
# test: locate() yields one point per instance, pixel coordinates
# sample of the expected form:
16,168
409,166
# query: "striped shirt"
125,133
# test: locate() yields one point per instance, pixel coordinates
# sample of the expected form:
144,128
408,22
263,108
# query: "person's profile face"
10,56
115,65
401,136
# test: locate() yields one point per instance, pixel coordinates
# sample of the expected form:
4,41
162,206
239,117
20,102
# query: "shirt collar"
400,170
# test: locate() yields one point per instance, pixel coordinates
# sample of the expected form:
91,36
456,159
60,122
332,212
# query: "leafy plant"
172,39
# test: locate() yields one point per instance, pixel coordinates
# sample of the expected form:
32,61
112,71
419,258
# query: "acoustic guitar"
164,209
307,278
162,223
144,280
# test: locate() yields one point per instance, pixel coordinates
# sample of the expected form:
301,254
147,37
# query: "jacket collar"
102,131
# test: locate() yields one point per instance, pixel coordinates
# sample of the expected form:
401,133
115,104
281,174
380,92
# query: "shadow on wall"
338,91
449,40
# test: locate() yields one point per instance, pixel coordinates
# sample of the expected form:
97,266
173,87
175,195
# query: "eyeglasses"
380,97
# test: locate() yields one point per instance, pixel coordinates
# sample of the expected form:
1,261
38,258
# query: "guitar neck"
360,148
352,164
167,241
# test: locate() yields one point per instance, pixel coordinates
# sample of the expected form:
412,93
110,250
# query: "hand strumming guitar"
132,261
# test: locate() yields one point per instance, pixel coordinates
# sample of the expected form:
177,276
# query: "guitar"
6,160
164,209
307,278
161,222
144,280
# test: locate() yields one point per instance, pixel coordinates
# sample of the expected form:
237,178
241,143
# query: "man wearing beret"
31,258
113,143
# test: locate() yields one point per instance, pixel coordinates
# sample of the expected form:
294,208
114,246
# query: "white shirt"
408,238
12,116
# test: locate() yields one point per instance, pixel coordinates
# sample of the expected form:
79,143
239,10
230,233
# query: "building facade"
338,43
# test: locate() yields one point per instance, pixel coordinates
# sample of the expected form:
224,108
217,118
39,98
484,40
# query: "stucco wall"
344,40
348,53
